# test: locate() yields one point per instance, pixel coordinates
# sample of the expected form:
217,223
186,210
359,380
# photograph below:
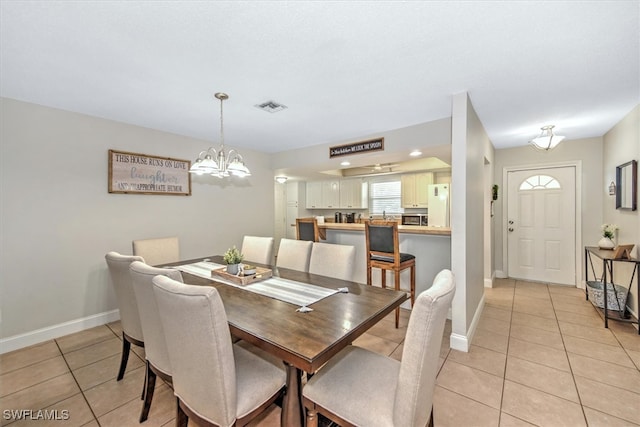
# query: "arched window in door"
540,182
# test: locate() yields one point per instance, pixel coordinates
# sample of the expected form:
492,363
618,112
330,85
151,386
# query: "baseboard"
488,283
17,342
500,274
461,342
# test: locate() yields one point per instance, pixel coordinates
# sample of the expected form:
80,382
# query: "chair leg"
413,285
369,282
181,418
126,347
144,385
312,418
431,418
396,277
150,385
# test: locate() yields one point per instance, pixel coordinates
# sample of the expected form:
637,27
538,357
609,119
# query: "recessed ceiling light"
415,153
281,179
345,163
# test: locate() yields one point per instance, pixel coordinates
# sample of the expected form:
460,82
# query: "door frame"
577,164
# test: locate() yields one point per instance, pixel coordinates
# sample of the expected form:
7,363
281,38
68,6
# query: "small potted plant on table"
232,257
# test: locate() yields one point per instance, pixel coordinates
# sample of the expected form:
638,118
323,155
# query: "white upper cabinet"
331,194
314,195
415,189
354,194
337,194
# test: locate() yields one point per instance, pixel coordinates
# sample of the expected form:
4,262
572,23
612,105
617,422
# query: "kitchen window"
385,195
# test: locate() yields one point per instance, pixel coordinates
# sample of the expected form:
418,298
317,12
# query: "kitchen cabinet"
415,189
337,194
354,194
314,195
331,194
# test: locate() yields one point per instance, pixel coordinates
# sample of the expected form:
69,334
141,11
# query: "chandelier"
547,140
216,162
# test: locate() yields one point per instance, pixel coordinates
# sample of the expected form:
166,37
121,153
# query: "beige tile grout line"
95,418
566,353
506,356
76,381
125,403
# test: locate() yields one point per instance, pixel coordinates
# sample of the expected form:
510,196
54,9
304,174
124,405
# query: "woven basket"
615,300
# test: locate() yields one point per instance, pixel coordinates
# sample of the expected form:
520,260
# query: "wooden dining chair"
258,249
155,345
332,260
215,382
307,229
294,254
383,252
158,251
358,387
129,317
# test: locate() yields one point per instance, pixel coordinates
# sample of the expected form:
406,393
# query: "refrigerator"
439,205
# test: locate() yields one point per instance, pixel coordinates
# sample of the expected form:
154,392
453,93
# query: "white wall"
470,148
58,220
622,144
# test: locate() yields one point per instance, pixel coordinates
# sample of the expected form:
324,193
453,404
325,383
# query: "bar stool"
307,229
383,252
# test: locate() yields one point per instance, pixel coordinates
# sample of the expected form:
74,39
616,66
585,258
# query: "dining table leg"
292,411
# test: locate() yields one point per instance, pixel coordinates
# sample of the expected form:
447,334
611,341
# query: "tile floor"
540,356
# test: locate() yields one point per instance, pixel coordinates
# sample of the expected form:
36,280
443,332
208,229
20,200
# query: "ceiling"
343,69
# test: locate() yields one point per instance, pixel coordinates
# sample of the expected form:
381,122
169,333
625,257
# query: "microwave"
414,219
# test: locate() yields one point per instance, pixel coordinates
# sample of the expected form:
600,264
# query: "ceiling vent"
271,106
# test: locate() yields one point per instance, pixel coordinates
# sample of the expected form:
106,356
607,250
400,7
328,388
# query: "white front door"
541,226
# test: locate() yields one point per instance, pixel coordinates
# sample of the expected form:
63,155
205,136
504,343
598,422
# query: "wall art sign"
357,147
134,173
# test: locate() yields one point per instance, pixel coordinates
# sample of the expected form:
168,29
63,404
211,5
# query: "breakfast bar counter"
430,245
402,229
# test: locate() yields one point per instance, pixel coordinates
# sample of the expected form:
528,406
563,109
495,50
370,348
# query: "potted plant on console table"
608,231
232,257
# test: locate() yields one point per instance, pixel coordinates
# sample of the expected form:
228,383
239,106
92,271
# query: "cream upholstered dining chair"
155,345
121,280
258,249
215,381
158,251
331,260
399,394
294,254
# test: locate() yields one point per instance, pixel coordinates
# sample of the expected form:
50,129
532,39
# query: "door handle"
510,229
510,222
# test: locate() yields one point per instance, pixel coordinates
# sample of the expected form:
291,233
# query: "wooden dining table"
303,340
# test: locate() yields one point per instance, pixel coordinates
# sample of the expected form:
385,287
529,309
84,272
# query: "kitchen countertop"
406,229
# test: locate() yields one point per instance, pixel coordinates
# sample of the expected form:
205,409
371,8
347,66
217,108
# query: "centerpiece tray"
261,274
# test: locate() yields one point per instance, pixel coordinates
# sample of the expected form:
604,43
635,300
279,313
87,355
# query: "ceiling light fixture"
281,179
547,140
215,162
415,153
345,163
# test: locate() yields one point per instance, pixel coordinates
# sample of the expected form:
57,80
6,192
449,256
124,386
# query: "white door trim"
578,211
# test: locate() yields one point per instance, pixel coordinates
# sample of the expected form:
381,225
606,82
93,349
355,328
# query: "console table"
608,262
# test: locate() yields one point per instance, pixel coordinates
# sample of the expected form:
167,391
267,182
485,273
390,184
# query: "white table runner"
291,291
